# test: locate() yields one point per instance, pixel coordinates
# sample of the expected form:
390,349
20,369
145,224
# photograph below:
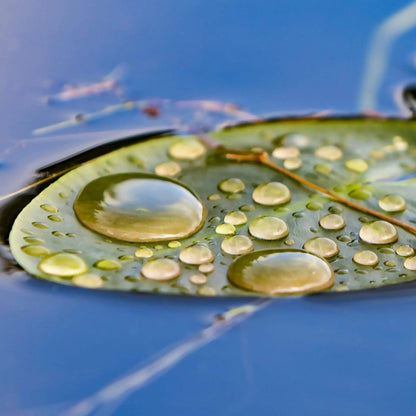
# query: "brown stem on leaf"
263,158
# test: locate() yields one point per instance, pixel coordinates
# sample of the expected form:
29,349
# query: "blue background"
348,354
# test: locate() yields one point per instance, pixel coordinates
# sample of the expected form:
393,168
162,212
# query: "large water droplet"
268,228
378,232
161,269
187,149
392,203
271,193
235,218
232,185
238,244
63,265
366,258
281,272
322,247
139,207
332,222
356,165
196,254
285,152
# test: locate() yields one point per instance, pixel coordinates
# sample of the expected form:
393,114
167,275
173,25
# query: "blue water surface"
325,355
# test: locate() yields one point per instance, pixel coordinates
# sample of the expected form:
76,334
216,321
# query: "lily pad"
219,226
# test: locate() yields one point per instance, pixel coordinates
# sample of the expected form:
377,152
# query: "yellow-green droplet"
207,291
63,265
40,225
196,254
107,264
139,207
329,153
232,185
49,208
366,258
361,193
214,197
392,203
405,251
314,206
238,244
55,218
198,279
356,165
225,229
235,218
324,169
285,152
322,247
281,272
332,222
206,268
410,263
167,169
88,280
292,163
174,244
161,269
143,252
35,250
187,150
33,240
268,228
378,232
271,193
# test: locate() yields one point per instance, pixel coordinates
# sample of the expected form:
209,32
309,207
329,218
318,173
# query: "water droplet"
365,258
314,206
107,264
392,203
71,235
247,208
289,242
174,244
235,218
161,269
126,257
292,163
271,193
196,254
214,197
238,244
296,140
33,240
88,280
139,207
187,150
335,209
389,263
198,279
281,272
167,169
400,144
232,185
206,268
322,247
405,251
385,250
356,165
40,225
329,153
234,196
324,169
298,214
225,229
344,238
332,222
361,193
63,265
35,250
378,232
49,208
143,252
207,291
55,218
57,234
268,228
285,152
410,263
63,195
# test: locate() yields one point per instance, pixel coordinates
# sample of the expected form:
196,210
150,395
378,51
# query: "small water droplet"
405,251
298,214
49,208
322,247
332,222
356,165
196,254
410,263
55,218
281,272
167,169
35,250
389,263
187,150
335,209
296,140
324,169
247,208
361,193
214,197
232,185
206,268
207,291
107,264
238,244
88,280
292,163
63,265
268,228
33,240
126,257
289,242
314,206
225,229
161,269
138,207
271,193
143,252
342,271
198,279
329,153
285,152
366,258
58,234
235,218
63,195
392,203
378,232
344,238
40,225
174,244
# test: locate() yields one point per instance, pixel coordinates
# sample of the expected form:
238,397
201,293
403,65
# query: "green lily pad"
172,216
